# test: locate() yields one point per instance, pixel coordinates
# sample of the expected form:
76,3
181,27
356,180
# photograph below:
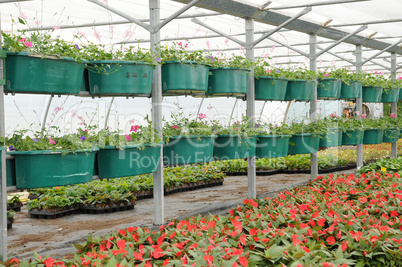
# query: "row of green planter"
32,169
29,74
268,88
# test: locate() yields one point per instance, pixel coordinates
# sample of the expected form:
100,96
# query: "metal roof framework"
261,12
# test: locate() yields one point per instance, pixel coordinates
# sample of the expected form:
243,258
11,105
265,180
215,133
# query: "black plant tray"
142,195
92,209
10,222
57,213
16,206
212,183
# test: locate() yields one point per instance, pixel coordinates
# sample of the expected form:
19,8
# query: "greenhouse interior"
200,133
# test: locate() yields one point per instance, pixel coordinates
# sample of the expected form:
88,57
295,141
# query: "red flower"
394,213
344,245
363,200
321,222
121,244
331,240
49,262
209,259
243,261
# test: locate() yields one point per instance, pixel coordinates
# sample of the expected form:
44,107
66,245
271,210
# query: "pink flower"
363,116
400,78
134,128
22,40
56,27
28,44
326,74
51,142
392,115
202,116
268,71
175,127
23,16
128,137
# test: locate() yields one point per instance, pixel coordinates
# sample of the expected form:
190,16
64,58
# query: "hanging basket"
300,90
272,146
188,149
372,94
329,89
46,168
303,144
234,147
391,135
352,137
228,82
184,78
333,137
119,78
130,161
33,74
269,88
351,91
373,136
390,96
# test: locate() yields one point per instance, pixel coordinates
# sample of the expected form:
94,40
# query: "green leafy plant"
242,128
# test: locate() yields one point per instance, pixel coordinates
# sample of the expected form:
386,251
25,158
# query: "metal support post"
108,113
313,103
251,168
45,114
233,109
359,107
159,217
394,151
3,180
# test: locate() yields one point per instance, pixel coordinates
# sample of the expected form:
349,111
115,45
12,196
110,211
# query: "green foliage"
391,165
242,128
178,51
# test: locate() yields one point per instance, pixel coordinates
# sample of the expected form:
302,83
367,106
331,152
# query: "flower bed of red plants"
335,220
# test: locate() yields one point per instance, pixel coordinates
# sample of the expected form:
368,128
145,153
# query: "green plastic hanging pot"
333,137
390,96
234,147
373,136
130,161
272,146
228,82
118,77
352,137
28,73
300,90
184,77
391,135
400,94
188,149
46,168
10,169
269,88
351,91
329,89
372,93
303,144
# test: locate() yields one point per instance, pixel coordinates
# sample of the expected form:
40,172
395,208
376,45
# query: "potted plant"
373,86
183,72
135,153
188,139
44,159
301,85
333,135
273,141
391,91
305,137
392,132
351,83
229,76
373,130
119,72
269,83
38,62
352,131
235,141
329,85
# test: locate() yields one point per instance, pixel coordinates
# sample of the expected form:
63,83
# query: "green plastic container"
391,135
228,82
300,90
372,94
115,77
400,94
352,137
390,96
272,146
33,74
329,89
269,88
184,77
188,149
373,136
303,144
351,91
10,169
234,147
333,137
130,161
45,168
